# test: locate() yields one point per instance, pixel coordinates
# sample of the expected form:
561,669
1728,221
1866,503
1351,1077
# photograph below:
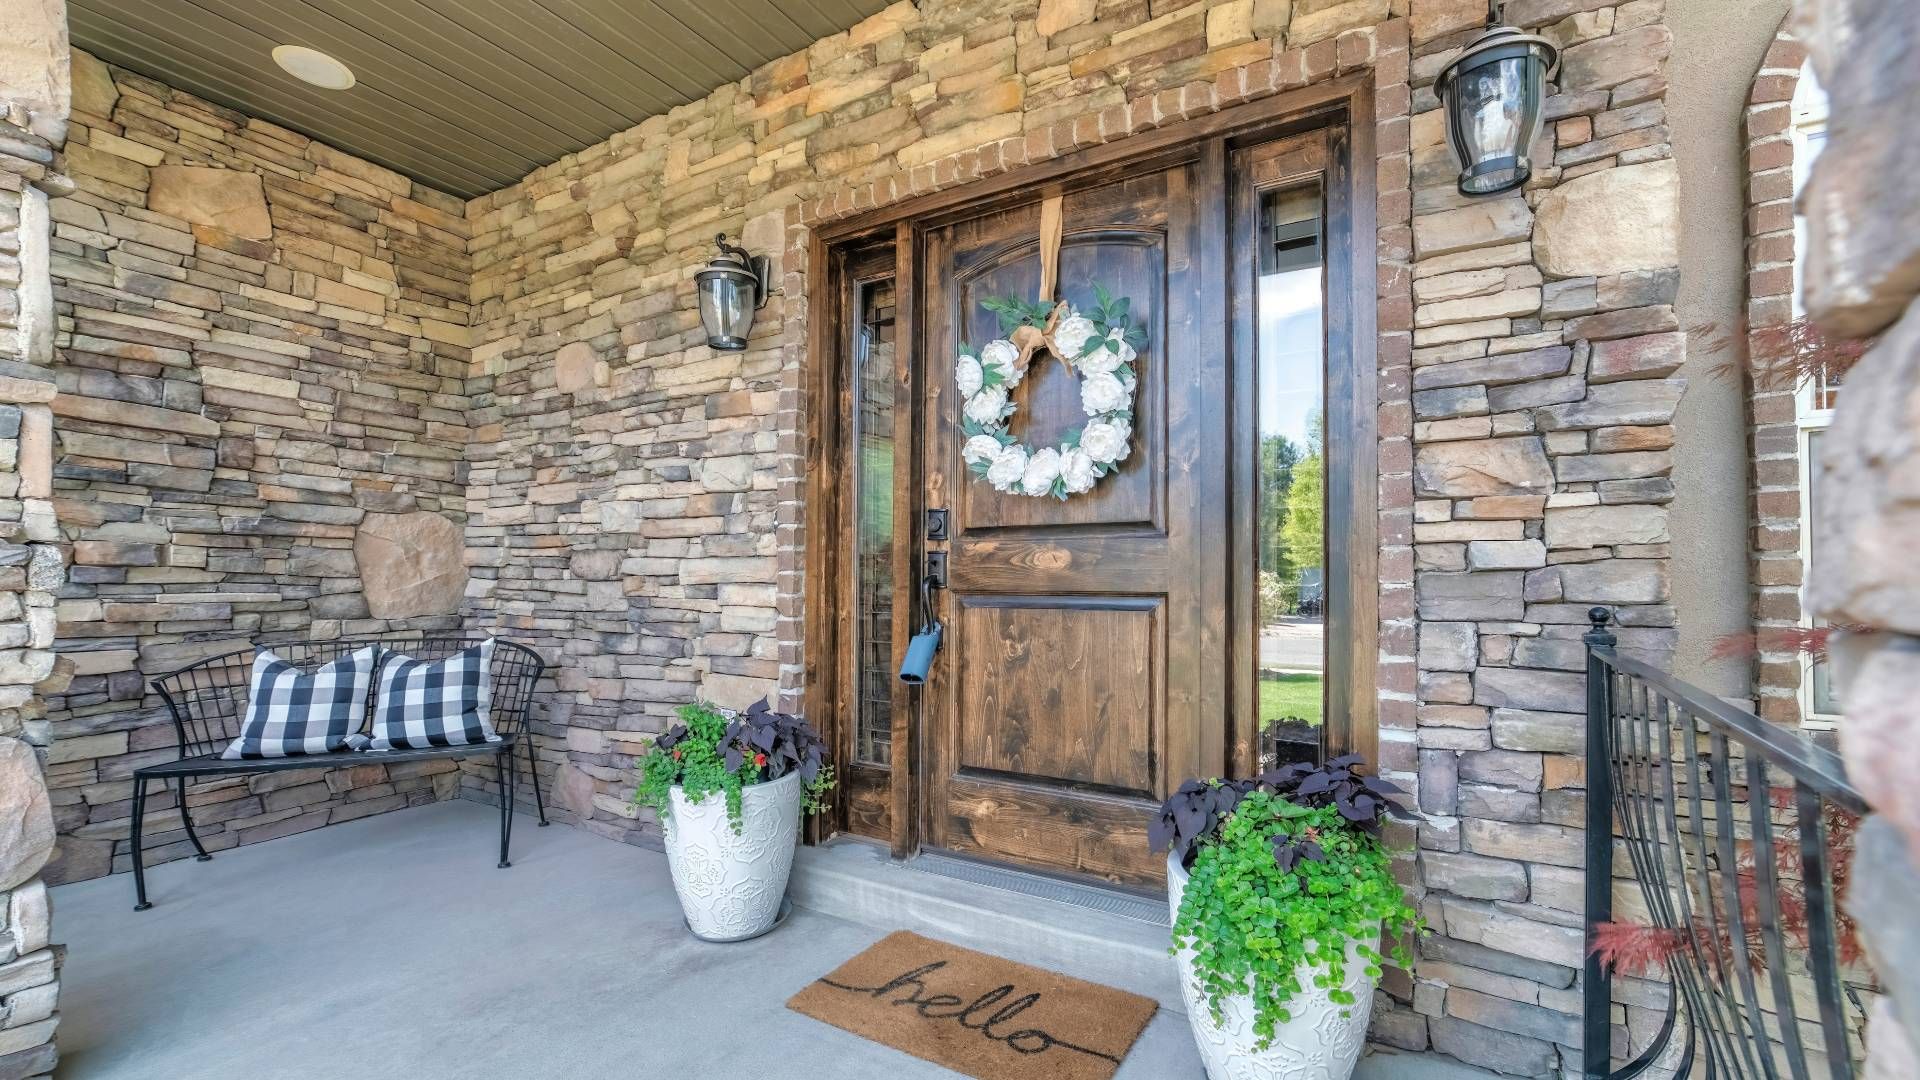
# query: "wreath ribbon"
1032,339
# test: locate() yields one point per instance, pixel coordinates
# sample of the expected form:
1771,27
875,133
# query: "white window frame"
1811,415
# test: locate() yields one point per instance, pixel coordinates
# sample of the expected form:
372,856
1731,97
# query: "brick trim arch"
1774,438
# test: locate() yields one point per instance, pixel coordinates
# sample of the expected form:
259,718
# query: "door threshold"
1100,935
1080,894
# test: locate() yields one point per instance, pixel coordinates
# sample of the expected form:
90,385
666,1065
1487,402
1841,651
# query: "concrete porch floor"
392,947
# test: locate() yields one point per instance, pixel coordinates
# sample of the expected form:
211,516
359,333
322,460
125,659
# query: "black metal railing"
1729,839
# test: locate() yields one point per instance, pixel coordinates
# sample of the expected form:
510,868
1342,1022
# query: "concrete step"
1103,936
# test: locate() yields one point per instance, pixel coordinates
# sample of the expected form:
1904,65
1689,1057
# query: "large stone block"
1318,20
573,789
1606,526
1501,804
1481,224
93,91
1540,732
227,199
1501,1051
26,817
1439,781
1506,554
578,369
1527,688
1488,595
1556,845
1879,674
1608,61
1448,646
1474,876
1861,204
1863,569
1474,467
1578,230
35,65
1503,1014
410,564
1438,18
1638,402
1058,15
1647,357
595,565
30,917
1490,370
1502,768
1615,581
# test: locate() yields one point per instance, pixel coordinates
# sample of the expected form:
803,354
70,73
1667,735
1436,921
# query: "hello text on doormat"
990,1018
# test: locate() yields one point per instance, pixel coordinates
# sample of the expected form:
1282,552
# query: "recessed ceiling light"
313,66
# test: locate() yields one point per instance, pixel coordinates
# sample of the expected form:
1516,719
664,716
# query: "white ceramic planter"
1317,1044
731,884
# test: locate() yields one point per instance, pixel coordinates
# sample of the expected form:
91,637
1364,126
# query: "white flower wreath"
1099,347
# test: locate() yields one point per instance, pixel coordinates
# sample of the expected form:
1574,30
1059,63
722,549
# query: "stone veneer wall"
262,352
33,124
635,500
1544,344
1863,279
1772,410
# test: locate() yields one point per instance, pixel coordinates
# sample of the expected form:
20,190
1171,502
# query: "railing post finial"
1600,635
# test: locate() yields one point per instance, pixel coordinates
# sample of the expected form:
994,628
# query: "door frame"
1350,328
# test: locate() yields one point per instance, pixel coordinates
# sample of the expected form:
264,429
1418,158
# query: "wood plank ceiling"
466,96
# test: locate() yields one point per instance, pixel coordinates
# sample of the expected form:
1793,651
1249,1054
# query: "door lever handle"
925,643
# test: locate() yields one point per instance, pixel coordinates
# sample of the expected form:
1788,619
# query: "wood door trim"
1356,313
1319,105
820,648
908,498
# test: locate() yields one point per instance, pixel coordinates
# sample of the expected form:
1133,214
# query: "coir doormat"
990,1018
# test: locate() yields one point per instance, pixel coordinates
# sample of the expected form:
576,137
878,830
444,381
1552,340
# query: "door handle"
925,643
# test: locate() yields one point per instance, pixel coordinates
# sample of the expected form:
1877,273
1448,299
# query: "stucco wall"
1710,522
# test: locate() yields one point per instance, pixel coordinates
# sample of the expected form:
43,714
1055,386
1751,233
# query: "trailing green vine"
712,750
1285,871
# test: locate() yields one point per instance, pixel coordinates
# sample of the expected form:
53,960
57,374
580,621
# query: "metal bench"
208,701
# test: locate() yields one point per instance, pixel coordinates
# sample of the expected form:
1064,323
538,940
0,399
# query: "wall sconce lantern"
1493,93
731,288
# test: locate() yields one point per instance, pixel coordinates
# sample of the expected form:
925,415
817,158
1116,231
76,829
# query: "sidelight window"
1291,474
875,449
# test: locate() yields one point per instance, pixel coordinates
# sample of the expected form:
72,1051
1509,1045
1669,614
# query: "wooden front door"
1084,669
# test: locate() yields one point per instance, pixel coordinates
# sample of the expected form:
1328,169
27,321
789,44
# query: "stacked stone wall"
636,499
264,343
1863,281
262,348
33,124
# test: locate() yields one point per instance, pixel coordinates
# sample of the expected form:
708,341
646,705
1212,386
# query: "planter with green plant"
730,789
1282,889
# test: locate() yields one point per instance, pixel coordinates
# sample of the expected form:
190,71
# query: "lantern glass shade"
727,300
1493,94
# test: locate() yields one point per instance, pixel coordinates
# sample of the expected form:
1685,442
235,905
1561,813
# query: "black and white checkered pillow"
421,703
291,712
